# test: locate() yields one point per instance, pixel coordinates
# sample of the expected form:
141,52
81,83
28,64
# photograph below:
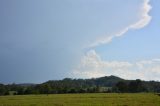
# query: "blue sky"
43,40
136,44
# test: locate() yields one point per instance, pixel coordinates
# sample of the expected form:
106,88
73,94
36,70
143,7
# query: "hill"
68,85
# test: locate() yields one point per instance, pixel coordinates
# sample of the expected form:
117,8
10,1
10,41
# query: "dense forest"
105,84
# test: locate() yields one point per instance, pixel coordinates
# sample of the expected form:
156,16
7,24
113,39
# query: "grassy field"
99,99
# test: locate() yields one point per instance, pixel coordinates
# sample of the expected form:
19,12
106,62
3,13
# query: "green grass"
99,99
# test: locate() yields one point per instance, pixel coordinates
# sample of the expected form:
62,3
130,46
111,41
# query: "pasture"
95,99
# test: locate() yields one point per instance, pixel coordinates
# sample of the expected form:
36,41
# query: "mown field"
99,99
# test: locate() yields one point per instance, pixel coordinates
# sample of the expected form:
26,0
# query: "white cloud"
145,17
93,66
142,64
144,20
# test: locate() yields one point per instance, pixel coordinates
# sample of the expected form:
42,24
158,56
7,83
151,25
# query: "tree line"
105,84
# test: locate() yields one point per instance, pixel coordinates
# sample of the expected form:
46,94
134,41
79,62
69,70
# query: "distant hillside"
26,84
93,85
107,80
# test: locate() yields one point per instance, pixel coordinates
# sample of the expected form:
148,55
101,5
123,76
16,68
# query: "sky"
44,40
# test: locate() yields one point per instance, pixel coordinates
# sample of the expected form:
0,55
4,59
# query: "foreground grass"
99,99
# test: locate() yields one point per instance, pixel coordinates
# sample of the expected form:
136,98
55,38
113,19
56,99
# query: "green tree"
122,86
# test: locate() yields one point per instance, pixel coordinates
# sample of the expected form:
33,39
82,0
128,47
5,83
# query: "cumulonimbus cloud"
93,66
144,20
